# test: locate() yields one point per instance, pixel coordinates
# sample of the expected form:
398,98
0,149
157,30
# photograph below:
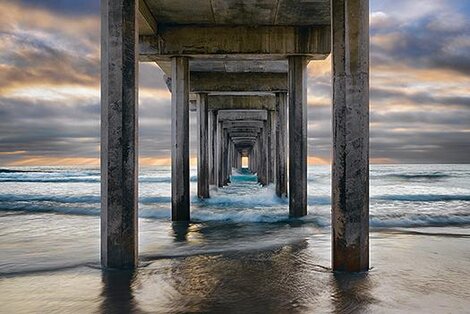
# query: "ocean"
241,253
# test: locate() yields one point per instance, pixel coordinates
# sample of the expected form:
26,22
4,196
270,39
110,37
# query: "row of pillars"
221,147
216,149
119,135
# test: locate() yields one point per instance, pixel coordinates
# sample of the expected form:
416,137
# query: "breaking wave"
412,203
422,198
427,176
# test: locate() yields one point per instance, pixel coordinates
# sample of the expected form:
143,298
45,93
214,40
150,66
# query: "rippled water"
240,253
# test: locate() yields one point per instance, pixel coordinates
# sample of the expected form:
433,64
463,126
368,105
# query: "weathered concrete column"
263,160
213,148
270,142
210,116
297,136
203,148
218,164
119,170
273,141
350,173
180,139
255,156
223,168
232,163
281,145
226,158
229,159
232,159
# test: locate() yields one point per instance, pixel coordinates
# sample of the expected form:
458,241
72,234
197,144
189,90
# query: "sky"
50,92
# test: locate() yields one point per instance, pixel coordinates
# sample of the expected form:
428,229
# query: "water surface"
240,253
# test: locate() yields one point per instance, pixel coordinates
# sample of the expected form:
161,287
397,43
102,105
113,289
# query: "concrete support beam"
244,139
243,130
242,124
119,132
297,136
233,115
237,41
242,134
350,173
146,20
227,66
281,145
203,148
242,102
180,139
237,82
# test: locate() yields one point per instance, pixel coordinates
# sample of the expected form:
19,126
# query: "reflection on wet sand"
117,295
351,293
180,230
285,278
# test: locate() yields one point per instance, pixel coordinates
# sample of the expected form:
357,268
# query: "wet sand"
424,270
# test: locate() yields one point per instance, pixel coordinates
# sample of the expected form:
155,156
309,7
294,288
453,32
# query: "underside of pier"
241,64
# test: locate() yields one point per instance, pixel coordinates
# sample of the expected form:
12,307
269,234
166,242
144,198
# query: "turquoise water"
241,252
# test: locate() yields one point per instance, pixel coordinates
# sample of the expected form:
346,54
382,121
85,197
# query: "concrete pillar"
180,139
254,156
269,148
257,157
263,156
223,160
281,145
350,172
203,148
213,148
119,132
209,143
234,156
272,144
229,159
232,159
226,158
297,136
219,165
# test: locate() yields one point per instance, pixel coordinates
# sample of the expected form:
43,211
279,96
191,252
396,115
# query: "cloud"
50,68
67,7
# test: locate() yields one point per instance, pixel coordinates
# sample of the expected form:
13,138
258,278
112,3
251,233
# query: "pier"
241,65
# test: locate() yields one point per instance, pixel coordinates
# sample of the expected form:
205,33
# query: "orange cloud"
315,160
82,161
16,152
382,160
54,161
